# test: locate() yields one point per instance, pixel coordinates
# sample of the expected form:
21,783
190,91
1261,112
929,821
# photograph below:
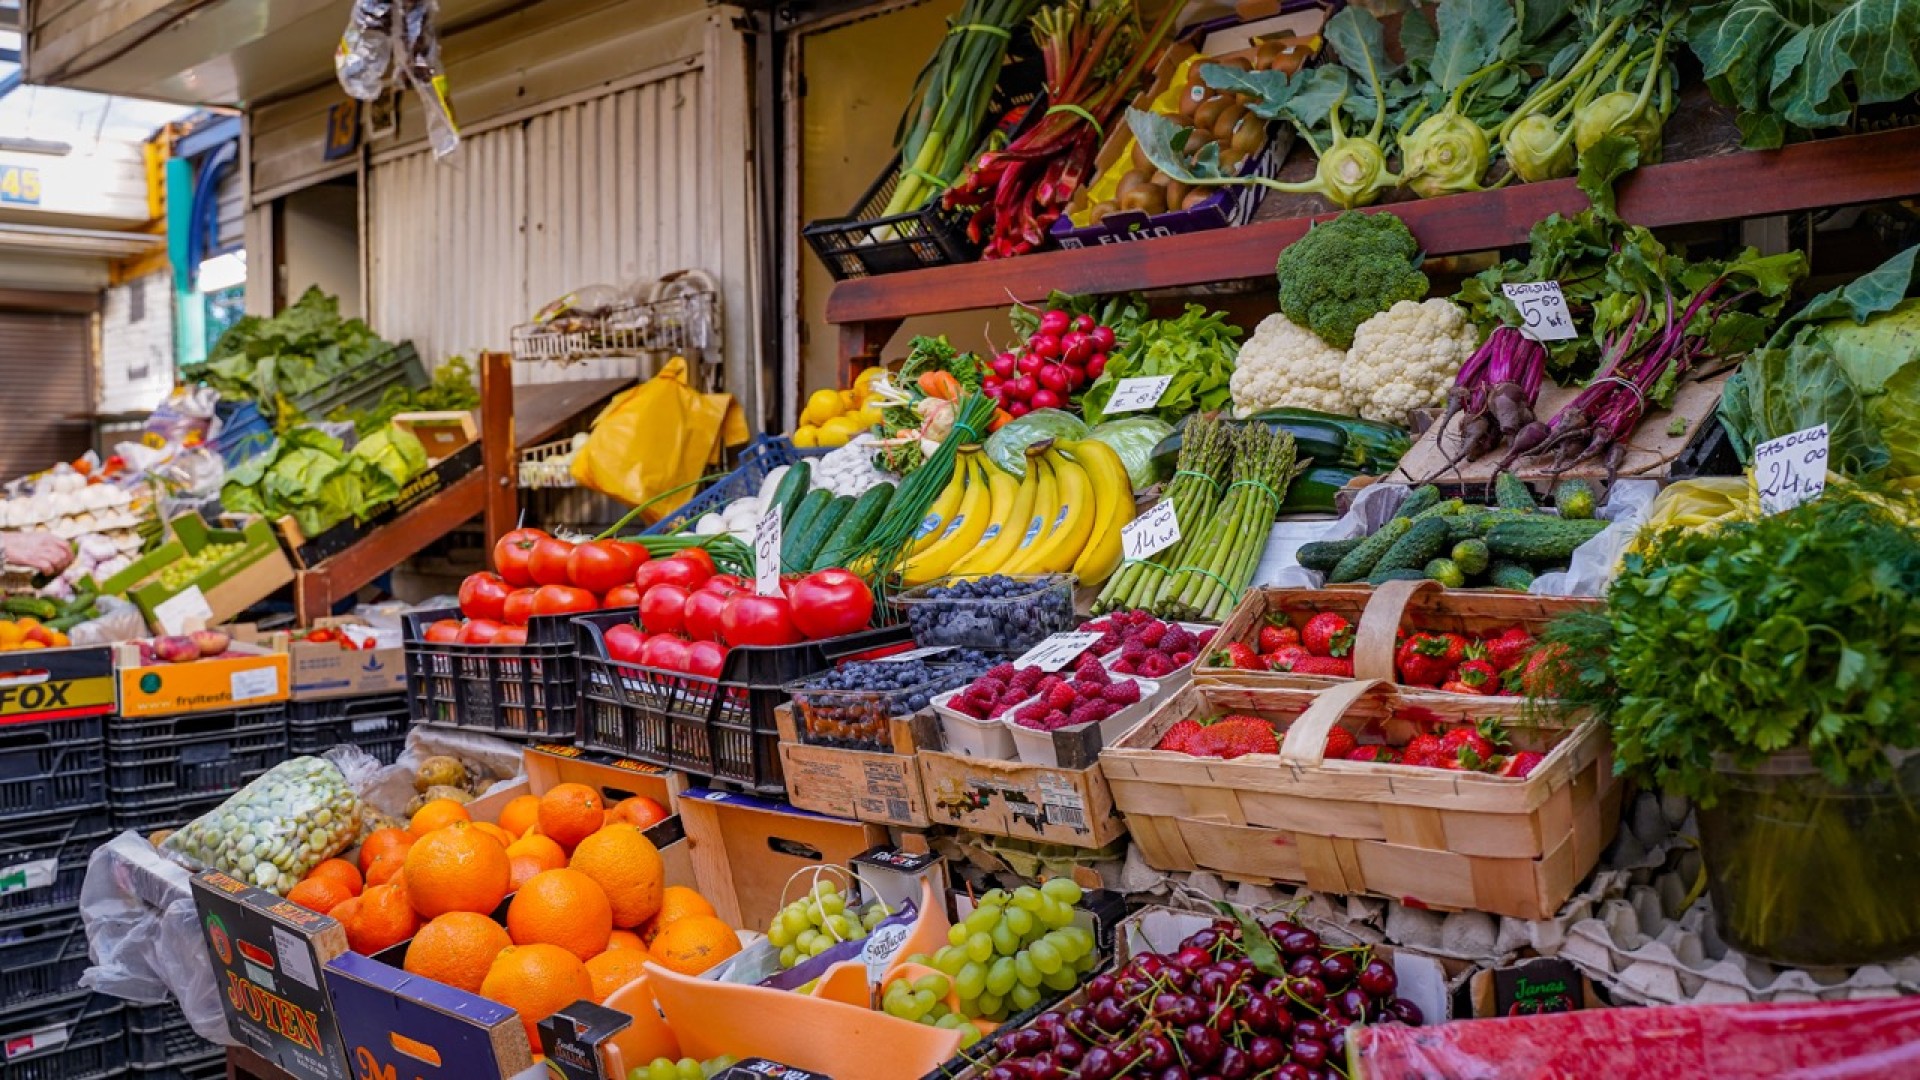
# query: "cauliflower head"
1285,365
1405,358
1345,271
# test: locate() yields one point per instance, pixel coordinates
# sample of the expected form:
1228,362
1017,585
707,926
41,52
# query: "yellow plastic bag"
658,436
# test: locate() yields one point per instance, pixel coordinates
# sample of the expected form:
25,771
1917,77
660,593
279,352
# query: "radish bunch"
1063,355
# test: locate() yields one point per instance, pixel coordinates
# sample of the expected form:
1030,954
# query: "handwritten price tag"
1155,530
1791,469
184,611
1057,651
913,654
766,554
1543,310
1132,395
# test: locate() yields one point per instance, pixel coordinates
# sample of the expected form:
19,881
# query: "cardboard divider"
746,849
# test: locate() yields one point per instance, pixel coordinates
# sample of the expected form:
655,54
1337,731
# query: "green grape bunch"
1015,948
924,1001
684,1069
818,921
183,572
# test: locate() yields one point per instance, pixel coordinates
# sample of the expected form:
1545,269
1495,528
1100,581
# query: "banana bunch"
1064,515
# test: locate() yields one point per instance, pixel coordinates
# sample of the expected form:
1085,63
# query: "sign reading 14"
19,185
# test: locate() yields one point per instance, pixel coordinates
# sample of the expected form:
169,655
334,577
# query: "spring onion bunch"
886,546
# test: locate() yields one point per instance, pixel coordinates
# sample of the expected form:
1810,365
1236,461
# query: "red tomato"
663,609
624,643
516,608
699,555
563,600
324,635
667,652
758,620
444,632
478,632
599,566
706,659
548,563
725,584
510,555
830,603
622,596
483,596
511,635
686,573
701,619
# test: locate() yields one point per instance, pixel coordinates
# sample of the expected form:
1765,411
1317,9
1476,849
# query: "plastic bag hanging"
420,68
366,49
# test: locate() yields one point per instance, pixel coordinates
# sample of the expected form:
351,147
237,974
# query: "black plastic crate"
160,1033
527,692
377,724
712,728
207,1068
41,957
124,733
43,859
50,764
156,814
205,765
82,1037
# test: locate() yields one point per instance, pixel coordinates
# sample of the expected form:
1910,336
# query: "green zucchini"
1446,572
1512,493
788,493
1574,499
1541,540
793,528
807,547
1359,562
854,527
1418,501
1508,575
68,622
1381,577
1314,491
1333,441
1471,556
1322,556
29,606
1424,539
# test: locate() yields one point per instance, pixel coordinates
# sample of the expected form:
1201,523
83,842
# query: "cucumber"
1472,556
1381,577
68,622
30,606
1418,500
1313,491
1359,562
1322,556
1512,493
793,488
1442,509
1540,540
818,530
1332,441
1574,499
1508,575
794,527
1446,572
1424,539
854,528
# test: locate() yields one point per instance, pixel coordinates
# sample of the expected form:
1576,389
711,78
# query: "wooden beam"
860,345
500,451
318,589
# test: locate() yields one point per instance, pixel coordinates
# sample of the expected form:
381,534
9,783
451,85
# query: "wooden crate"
873,786
1452,840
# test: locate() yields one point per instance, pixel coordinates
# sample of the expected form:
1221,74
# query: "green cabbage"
1007,447
1134,438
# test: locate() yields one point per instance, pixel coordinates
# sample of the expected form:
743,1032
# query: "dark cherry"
1308,1053
1355,1004
1311,1030
1100,987
1258,1014
1030,1041
1191,959
1266,1051
1202,1044
1281,928
1109,1016
1337,1045
1310,990
1098,1064
1156,1052
1173,1072
1292,1070
1299,941
1042,1066
1150,964
1204,940
1002,1072
1068,1050
1378,979
1336,969
1131,986
1212,984
1406,1012
1234,1064
1304,966
1080,1020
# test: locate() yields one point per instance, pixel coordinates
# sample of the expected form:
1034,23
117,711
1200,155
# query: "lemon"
822,406
846,427
849,400
806,435
829,436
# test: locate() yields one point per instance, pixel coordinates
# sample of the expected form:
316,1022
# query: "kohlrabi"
1450,151
1623,112
1543,137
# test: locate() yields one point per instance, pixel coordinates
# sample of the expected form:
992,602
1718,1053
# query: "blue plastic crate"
243,433
760,457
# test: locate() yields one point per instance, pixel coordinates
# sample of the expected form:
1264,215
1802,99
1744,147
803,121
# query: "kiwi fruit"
1209,112
1100,210
1198,138
1249,135
1229,117
1141,162
1177,192
1195,197
1130,182
1197,92
1240,62
1147,198
1230,160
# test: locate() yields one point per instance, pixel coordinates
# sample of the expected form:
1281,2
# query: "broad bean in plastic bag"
276,829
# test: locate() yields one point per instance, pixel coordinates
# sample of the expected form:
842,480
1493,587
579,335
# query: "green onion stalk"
1215,572
886,545
1194,491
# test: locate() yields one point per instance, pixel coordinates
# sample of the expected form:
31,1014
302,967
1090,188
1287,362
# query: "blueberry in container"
998,611
851,705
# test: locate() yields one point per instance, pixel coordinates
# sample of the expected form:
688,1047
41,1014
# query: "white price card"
1143,392
1057,651
912,654
254,683
1156,530
1543,310
1791,469
766,554
183,612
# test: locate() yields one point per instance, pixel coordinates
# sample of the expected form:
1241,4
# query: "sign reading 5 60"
19,185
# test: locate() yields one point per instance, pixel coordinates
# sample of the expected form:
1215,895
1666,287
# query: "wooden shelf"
1831,172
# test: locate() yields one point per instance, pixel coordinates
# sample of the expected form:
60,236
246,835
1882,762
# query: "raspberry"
1155,665
968,707
1182,659
1087,712
1025,678
1122,693
1000,710
1178,639
1033,710
1002,673
1201,639
1061,697
987,690
1151,634
1053,721
1108,642
1089,670
1134,650
1124,666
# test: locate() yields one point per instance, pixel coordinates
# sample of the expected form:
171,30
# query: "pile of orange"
27,633
589,908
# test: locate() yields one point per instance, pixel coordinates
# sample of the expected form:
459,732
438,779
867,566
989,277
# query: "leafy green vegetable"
272,360
1198,349
452,390
925,354
1346,271
310,475
1791,632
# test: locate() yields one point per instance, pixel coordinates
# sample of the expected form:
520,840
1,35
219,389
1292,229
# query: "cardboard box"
56,684
1544,984
866,785
746,850
442,434
252,573
393,1024
616,778
1028,802
246,674
323,670
268,957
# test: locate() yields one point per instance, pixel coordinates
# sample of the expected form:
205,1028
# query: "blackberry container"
1014,614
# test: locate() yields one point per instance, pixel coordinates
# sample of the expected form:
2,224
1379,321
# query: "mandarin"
383,842
319,894
435,815
536,981
614,969
627,865
342,871
520,814
569,813
382,918
694,944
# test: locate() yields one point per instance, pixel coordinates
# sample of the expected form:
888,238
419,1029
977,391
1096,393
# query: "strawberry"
1430,659
1209,741
1323,665
1422,750
1328,634
1545,668
1340,743
1467,737
1375,752
1242,735
1521,764
1239,656
1510,648
1284,657
1455,686
1479,676
1276,634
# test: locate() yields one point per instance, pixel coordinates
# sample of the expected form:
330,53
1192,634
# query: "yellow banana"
962,533
1113,502
1046,507
1072,524
934,525
1003,534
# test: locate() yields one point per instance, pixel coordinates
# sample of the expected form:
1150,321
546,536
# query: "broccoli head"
1346,271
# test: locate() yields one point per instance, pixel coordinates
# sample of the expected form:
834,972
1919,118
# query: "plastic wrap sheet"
143,934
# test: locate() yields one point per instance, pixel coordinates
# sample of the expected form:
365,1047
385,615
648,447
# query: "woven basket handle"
1306,741
1379,622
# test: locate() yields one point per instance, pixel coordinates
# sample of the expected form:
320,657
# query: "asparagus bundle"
1214,571
1194,491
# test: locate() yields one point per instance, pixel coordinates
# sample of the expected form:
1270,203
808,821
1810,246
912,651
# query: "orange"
627,865
693,944
676,902
625,939
564,908
386,868
321,894
570,813
381,842
381,919
495,831
457,949
342,871
614,969
638,810
536,981
458,868
521,814
437,814
532,855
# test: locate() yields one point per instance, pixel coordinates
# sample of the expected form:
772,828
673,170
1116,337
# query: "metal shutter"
46,379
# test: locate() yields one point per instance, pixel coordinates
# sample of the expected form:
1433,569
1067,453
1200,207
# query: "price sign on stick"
1057,651
1155,530
1132,395
766,554
1791,469
1543,310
